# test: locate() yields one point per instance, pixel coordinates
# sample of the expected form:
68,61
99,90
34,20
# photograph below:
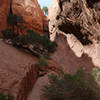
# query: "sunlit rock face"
29,9
4,10
31,12
79,24
54,9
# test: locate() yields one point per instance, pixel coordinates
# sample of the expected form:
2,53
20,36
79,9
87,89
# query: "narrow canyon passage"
66,40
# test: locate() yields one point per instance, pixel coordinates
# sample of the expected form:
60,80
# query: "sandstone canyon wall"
4,11
76,28
29,9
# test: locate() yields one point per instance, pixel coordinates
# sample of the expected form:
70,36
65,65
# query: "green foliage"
80,86
45,9
8,97
2,96
42,42
96,74
15,20
12,19
46,55
9,34
43,62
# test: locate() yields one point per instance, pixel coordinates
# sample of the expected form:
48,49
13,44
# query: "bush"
15,20
80,86
12,19
46,55
8,97
41,44
2,96
43,62
9,34
34,38
96,74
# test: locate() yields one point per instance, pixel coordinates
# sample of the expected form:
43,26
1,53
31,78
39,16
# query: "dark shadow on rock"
76,29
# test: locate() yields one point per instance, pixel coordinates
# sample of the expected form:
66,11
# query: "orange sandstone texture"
4,10
31,12
29,9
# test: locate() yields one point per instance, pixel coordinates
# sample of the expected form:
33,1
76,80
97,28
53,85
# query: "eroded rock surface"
30,11
4,11
79,23
18,72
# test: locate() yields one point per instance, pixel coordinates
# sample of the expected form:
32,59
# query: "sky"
44,3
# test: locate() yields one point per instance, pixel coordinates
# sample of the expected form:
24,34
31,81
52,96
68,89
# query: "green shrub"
8,97
15,20
46,55
43,62
12,19
80,86
8,34
42,44
2,96
96,74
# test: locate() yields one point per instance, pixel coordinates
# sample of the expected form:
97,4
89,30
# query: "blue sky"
44,3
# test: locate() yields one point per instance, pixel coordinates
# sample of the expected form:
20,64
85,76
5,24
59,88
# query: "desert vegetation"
39,44
80,86
4,97
45,9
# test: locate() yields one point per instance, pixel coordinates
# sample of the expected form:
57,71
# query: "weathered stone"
18,72
31,13
79,26
4,11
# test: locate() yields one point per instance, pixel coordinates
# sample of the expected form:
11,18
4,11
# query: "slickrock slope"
18,72
29,9
76,28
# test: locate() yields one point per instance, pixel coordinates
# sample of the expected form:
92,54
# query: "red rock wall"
31,12
29,9
4,10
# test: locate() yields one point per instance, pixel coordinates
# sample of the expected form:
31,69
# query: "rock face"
76,28
18,72
4,11
31,13
28,9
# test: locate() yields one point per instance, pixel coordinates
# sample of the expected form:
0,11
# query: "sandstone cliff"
76,28
4,11
29,9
